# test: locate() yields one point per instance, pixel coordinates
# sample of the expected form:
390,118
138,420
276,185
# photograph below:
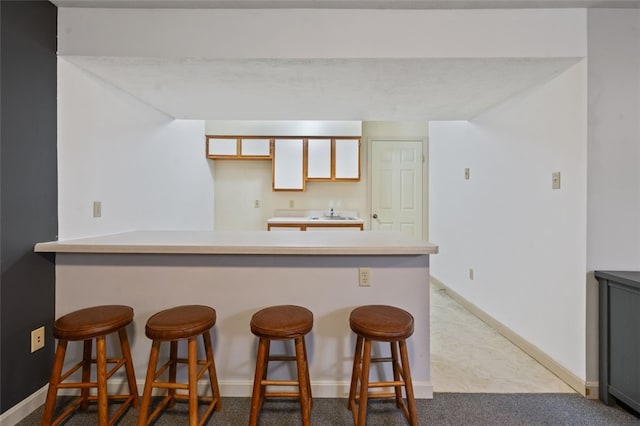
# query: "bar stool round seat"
172,325
180,322
283,322
381,322
385,324
85,325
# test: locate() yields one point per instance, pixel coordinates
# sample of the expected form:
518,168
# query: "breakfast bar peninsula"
237,273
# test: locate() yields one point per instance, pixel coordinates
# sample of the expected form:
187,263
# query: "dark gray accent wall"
28,193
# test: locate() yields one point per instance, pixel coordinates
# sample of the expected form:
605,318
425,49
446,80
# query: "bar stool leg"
408,384
355,374
213,377
173,366
146,395
396,373
101,363
364,383
265,371
256,398
193,381
128,366
304,346
86,372
54,381
303,383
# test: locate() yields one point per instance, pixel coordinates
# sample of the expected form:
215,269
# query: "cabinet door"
318,159
222,147
347,159
288,165
255,147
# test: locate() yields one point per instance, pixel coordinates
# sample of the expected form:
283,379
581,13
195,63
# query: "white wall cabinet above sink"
319,159
333,159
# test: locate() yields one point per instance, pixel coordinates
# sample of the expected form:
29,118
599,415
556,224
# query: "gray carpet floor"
444,409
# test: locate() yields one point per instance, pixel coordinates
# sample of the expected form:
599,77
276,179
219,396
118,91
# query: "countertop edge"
249,250
243,243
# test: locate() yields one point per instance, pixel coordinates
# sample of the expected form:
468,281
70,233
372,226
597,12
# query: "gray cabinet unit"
620,336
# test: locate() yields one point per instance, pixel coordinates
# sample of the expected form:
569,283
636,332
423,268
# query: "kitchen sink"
332,218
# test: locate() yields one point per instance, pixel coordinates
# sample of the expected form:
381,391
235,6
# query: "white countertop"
310,220
310,217
245,242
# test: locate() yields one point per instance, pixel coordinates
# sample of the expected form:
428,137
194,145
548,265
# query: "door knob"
375,215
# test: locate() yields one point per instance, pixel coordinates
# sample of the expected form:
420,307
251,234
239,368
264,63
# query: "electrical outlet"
466,173
365,277
292,204
37,339
256,204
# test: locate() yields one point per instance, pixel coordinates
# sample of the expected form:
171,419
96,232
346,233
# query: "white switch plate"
97,209
466,173
555,180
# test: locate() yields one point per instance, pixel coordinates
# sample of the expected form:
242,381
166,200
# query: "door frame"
425,176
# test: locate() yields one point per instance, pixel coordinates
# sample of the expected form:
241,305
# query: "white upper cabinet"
296,159
255,147
288,165
347,159
239,148
222,147
333,159
319,159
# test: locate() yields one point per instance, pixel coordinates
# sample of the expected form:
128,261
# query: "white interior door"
396,186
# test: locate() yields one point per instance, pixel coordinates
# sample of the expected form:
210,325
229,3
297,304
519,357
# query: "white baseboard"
24,407
230,388
586,389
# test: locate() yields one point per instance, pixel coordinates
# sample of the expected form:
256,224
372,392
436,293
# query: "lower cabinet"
314,227
620,336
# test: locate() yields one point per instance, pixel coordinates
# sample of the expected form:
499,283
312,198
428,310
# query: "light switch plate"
97,209
555,180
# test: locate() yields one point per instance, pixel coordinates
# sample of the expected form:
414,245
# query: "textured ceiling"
320,89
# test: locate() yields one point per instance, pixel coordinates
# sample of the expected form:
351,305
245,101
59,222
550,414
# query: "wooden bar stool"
85,325
386,324
172,325
286,322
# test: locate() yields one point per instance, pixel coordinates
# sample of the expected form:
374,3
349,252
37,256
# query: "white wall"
613,209
308,33
148,170
525,241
